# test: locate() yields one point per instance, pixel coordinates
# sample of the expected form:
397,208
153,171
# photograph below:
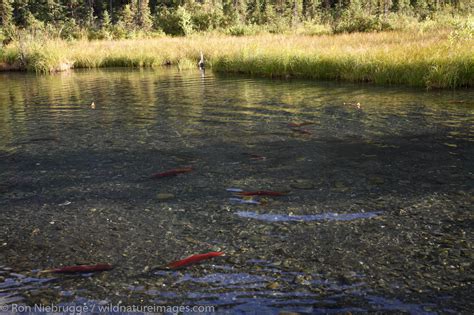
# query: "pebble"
164,196
302,184
376,180
273,286
302,280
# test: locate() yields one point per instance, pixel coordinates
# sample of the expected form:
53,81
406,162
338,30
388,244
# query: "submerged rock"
273,286
376,180
302,184
164,196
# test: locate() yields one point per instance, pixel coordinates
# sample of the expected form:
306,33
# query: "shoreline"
5,67
429,60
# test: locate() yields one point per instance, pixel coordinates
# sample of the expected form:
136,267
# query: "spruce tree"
6,14
310,8
106,21
127,17
143,15
239,10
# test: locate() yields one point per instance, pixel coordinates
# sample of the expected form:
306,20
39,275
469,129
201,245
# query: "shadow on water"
376,214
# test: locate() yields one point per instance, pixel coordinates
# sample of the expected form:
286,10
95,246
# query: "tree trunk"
111,9
295,12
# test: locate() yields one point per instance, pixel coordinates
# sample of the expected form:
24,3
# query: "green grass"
414,60
439,58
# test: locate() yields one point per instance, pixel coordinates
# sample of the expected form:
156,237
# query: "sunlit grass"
428,59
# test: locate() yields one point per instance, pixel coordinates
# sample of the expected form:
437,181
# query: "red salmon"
193,259
80,268
172,172
261,193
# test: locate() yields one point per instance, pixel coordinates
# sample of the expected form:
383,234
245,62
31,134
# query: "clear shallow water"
316,217
229,291
75,187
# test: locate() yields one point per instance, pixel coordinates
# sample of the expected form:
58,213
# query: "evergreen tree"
130,15
90,14
32,23
20,10
402,6
310,8
6,14
239,10
106,21
296,12
53,12
143,15
6,21
254,11
127,17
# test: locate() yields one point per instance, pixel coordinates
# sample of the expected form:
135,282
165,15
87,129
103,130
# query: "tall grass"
429,60
434,59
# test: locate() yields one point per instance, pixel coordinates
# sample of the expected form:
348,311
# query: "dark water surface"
378,213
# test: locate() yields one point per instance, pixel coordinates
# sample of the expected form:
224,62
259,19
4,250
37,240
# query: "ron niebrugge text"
107,308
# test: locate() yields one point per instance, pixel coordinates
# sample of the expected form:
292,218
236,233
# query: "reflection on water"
163,106
75,185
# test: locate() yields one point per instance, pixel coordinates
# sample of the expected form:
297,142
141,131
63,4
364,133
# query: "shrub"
175,22
119,31
359,23
244,30
314,29
278,26
99,34
205,18
70,30
462,31
400,22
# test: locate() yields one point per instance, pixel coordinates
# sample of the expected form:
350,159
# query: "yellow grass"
433,59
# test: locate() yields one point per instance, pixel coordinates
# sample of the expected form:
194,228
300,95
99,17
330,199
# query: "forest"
117,19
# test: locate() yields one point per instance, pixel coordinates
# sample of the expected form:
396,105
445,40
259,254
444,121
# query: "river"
375,211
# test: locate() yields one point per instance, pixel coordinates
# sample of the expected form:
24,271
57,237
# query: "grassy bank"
434,59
